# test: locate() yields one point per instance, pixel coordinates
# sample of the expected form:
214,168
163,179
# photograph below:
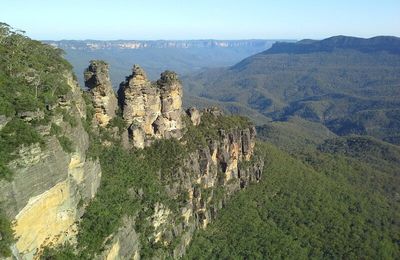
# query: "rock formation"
50,187
97,80
151,110
208,177
169,124
195,116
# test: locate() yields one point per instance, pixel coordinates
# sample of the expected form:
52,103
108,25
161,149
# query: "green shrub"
6,235
66,144
61,252
13,135
67,117
119,122
55,129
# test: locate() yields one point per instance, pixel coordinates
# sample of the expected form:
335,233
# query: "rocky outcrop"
97,80
194,115
215,111
50,186
208,177
151,110
3,121
169,124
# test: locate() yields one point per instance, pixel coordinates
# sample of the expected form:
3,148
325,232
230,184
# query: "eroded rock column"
169,123
151,110
97,80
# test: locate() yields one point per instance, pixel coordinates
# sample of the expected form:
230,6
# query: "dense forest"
337,201
348,84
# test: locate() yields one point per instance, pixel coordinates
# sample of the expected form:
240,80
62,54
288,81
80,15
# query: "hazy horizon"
180,20
216,39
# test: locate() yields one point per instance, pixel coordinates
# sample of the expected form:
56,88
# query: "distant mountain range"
160,44
156,56
350,85
375,44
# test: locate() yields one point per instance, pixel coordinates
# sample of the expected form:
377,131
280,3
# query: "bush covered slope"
31,79
350,85
318,205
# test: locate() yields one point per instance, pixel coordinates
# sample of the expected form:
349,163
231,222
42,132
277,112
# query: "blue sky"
202,19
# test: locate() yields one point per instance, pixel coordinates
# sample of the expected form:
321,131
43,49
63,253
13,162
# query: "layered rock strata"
210,175
151,110
97,80
50,187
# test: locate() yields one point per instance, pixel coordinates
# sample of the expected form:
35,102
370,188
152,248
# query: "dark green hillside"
321,205
375,44
350,85
294,135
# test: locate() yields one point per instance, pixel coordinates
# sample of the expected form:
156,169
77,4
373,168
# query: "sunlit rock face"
194,115
151,110
97,80
51,187
207,179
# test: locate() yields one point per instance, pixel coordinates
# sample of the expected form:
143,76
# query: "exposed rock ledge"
49,186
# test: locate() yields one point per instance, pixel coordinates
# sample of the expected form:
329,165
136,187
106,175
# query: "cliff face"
208,177
55,182
51,186
97,80
151,110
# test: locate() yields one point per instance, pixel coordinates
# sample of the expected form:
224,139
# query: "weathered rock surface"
195,115
97,80
208,177
50,186
125,243
3,121
151,110
215,111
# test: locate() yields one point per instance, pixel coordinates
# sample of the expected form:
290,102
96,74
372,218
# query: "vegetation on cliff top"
31,80
31,73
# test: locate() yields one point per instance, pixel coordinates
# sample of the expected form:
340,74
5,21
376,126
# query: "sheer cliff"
173,171
86,175
46,177
51,184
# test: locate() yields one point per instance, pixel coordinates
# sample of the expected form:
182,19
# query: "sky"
201,19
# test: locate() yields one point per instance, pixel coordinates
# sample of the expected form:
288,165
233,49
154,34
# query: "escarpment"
75,190
52,181
218,158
